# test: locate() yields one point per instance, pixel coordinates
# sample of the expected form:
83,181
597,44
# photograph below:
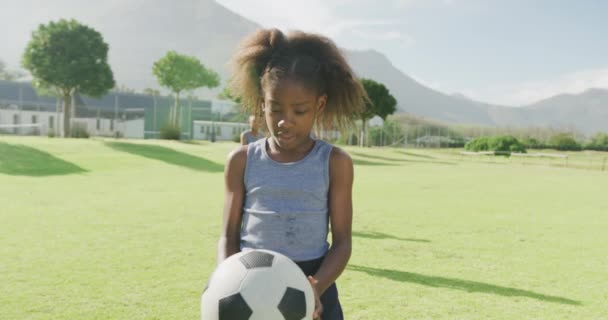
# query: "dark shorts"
331,305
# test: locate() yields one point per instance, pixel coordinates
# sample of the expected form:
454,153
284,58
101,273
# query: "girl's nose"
286,121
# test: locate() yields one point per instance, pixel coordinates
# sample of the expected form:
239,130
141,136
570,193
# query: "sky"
508,52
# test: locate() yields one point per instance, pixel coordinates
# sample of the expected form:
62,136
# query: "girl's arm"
341,216
243,140
229,242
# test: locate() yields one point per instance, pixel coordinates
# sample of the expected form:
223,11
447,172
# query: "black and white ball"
257,285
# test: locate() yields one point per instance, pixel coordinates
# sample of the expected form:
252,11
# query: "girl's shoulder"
339,156
237,158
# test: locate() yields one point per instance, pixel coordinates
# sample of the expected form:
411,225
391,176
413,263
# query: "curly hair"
268,55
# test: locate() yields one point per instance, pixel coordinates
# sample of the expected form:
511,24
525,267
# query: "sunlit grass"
105,229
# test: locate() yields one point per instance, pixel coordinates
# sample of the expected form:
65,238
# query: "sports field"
117,229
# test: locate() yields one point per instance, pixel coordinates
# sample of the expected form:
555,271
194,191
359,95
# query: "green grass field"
116,229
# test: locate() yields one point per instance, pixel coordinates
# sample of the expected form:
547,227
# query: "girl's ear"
321,102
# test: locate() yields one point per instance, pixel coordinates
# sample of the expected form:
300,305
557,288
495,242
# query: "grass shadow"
402,160
359,154
458,284
415,154
361,162
167,155
20,160
380,235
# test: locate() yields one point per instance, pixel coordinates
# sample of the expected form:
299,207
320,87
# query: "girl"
253,134
282,191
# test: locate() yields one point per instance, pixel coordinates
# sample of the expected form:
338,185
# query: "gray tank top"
285,208
250,138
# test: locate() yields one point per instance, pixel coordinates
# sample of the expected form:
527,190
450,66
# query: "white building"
221,131
44,122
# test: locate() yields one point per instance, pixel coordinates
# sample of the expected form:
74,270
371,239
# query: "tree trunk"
178,118
67,110
363,133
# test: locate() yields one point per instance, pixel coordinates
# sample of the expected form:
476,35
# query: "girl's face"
290,110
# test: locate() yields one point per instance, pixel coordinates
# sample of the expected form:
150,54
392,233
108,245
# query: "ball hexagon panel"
257,259
234,307
293,304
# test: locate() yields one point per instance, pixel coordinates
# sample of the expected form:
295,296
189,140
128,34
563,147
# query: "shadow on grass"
20,160
361,162
359,154
380,235
168,155
416,155
458,284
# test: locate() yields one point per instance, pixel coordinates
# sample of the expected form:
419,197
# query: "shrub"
598,142
564,141
532,143
478,144
79,130
500,144
170,132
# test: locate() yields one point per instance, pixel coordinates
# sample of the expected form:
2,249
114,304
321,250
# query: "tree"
180,72
236,114
564,141
381,103
9,75
599,142
70,57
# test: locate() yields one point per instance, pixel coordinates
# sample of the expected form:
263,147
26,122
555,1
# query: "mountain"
140,32
415,98
587,111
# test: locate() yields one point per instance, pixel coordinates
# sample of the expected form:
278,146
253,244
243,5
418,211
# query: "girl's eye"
301,111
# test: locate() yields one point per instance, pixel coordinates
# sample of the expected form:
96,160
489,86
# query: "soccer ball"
257,285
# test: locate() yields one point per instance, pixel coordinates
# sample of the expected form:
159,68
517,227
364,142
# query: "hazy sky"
510,52
503,51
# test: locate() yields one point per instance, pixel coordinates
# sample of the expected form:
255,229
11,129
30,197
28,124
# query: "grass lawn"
118,229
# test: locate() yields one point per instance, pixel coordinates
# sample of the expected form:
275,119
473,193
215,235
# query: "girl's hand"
316,315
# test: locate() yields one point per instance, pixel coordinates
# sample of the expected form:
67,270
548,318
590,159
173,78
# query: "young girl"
282,191
253,134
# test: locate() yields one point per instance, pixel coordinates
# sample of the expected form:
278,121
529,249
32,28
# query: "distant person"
285,191
253,134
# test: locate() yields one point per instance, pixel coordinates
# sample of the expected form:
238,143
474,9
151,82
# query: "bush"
79,130
598,142
170,132
564,141
51,133
500,144
478,144
532,143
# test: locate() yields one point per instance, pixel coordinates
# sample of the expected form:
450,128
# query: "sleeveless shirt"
250,138
286,204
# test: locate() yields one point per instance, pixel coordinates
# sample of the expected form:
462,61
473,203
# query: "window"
51,122
98,124
218,130
15,119
111,124
202,129
34,119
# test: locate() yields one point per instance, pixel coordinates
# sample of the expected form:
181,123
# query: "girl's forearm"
226,248
334,263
